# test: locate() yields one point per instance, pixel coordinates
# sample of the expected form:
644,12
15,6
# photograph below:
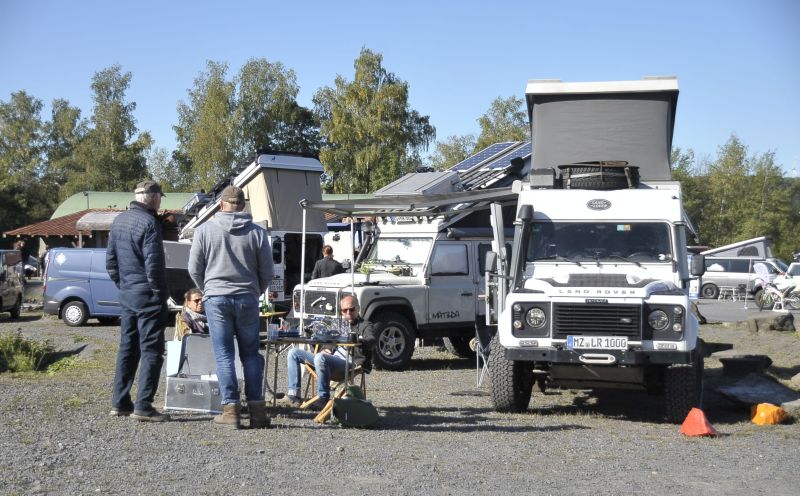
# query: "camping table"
280,344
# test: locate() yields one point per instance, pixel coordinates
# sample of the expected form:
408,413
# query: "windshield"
599,241
393,251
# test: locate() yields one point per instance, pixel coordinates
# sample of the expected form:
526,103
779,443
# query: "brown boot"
229,416
258,415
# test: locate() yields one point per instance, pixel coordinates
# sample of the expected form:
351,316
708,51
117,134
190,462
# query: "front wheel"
683,388
512,382
765,301
710,291
394,341
74,314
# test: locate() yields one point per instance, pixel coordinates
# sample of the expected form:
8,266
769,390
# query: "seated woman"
191,320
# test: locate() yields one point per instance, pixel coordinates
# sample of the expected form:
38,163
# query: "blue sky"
737,62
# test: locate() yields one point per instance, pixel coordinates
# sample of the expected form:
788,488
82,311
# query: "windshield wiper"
620,257
558,258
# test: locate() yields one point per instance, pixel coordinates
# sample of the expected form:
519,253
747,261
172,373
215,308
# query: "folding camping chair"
483,340
338,386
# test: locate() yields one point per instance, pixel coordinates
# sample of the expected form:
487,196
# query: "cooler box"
191,375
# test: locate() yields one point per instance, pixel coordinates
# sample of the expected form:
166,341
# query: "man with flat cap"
135,262
231,262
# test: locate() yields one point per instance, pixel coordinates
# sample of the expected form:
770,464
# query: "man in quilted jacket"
135,262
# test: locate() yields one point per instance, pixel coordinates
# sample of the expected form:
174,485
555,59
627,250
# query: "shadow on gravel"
784,373
442,364
22,318
453,420
55,356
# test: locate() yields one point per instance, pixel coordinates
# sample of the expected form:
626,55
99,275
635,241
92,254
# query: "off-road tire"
16,310
74,314
394,341
710,291
459,346
683,388
765,300
512,382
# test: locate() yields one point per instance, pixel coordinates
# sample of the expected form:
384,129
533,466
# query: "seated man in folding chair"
329,364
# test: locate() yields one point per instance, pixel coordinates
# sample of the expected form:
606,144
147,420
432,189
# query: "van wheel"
17,309
709,291
74,314
394,341
459,346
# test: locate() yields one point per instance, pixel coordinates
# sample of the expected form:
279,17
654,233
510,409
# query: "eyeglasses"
348,310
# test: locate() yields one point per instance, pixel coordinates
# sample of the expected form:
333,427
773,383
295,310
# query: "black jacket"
326,267
135,253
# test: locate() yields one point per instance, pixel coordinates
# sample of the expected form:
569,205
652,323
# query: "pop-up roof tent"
273,184
604,121
757,247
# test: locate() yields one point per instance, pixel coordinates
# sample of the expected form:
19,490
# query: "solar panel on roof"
482,155
504,161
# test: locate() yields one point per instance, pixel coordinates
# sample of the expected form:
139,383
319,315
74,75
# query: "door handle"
466,294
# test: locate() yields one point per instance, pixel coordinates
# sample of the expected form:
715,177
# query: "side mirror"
490,265
698,267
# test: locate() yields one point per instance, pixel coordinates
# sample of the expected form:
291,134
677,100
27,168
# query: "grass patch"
62,365
18,354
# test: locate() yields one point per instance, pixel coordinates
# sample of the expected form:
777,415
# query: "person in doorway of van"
231,262
330,363
192,319
326,266
135,262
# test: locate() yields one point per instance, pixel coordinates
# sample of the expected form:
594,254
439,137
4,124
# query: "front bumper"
623,357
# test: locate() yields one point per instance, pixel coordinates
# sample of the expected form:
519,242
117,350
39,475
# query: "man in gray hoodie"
231,262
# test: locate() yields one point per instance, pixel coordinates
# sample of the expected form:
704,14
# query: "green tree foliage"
63,134
371,136
206,129
506,120
110,157
21,164
162,168
225,121
451,151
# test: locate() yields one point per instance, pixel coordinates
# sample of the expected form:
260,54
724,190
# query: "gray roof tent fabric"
616,120
756,247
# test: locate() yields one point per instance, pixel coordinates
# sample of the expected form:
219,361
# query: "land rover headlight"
535,317
658,320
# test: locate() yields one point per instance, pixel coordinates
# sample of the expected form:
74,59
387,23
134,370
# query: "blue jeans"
236,317
325,364
141,345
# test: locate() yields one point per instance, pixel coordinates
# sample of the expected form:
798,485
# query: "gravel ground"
438,434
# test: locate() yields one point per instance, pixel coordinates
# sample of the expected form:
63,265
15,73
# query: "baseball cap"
232,194
148,187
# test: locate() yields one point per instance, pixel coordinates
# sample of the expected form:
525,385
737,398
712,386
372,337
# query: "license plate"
597,342
276,285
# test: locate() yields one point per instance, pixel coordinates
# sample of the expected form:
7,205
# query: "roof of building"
61,226
112,200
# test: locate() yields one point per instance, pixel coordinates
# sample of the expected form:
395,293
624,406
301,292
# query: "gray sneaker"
149,416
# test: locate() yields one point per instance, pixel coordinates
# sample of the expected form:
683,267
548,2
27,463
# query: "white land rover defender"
420,273
595,291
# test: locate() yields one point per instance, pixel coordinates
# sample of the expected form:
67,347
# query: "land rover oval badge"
599,204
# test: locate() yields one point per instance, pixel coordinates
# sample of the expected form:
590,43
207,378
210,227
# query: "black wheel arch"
390,304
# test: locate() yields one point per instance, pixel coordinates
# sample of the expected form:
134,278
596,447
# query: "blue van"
77,286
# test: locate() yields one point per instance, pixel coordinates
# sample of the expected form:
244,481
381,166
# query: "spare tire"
602,175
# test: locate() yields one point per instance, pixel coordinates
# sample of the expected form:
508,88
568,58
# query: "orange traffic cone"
696,424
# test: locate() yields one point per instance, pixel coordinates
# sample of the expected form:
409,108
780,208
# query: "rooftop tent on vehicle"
628,121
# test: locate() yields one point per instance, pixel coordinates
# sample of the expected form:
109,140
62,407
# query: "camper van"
594,293
77,286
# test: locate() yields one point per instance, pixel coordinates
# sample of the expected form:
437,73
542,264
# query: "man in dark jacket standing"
326,266
231,262
135,262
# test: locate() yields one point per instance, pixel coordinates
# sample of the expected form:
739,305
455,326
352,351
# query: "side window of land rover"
450,260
